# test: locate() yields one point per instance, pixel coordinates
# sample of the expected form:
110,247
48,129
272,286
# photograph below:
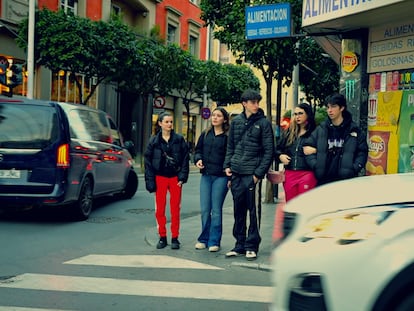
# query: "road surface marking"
139,261
49,282
12,308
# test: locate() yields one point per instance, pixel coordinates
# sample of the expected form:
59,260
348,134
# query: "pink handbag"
275,177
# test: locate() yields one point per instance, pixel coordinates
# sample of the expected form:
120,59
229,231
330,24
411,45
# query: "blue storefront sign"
268,21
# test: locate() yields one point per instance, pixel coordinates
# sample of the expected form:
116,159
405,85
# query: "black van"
54,154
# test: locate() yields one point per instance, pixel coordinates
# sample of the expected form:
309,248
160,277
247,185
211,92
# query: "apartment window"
69,6
173,25
194,1
116,10
193,37
172,34
193,45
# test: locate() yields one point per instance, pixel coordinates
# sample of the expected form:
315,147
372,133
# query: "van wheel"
83,207
130,187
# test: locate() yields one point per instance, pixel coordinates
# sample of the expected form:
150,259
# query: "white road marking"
139,261
11,308
49,282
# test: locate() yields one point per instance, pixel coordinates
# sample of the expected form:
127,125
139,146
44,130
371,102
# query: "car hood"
354,193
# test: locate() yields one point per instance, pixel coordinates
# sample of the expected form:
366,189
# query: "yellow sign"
349,61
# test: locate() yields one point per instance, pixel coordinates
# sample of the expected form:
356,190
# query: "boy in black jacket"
248,158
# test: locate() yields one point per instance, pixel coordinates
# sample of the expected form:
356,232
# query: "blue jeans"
213,191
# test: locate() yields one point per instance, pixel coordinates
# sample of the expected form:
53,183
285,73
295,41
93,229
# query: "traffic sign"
205,113
159,102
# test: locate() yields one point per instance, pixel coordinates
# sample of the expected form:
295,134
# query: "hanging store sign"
268,21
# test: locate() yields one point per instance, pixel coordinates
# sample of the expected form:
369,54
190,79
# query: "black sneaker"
162,243
175,244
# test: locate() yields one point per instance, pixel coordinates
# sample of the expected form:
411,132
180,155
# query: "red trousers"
165,184
297,182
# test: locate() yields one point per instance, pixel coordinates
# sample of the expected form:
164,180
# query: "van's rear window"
27,127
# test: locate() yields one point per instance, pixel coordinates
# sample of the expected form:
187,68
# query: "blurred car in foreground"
348,246
54,154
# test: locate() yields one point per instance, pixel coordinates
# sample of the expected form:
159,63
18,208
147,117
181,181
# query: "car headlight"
347,226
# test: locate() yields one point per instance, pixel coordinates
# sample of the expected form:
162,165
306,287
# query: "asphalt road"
110,261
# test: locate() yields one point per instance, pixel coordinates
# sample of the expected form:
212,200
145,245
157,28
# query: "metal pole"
295,82
30,50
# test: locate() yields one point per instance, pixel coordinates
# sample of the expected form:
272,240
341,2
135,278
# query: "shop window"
69,6
64,88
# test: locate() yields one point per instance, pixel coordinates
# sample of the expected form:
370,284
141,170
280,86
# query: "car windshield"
26,126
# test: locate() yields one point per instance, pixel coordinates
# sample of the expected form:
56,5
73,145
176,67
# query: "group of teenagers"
237,156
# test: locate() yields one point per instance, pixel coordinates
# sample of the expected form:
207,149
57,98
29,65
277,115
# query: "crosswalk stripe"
138,261
11,308
64,283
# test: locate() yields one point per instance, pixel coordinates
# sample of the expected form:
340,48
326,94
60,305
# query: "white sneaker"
200,245
232,254
251,255
214,248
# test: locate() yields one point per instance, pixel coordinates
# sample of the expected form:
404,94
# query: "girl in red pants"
166,169
299,177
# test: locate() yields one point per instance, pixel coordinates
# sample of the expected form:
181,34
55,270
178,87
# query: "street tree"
318,73
226,85
275,58
95,49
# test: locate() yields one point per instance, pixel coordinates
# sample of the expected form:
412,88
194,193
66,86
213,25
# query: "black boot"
175,244
162,242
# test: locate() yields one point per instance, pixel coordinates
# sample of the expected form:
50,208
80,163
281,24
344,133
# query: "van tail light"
63,156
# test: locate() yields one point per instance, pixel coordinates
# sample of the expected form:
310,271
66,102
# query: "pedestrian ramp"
132,287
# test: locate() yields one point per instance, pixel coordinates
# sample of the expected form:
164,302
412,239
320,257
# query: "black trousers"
246,200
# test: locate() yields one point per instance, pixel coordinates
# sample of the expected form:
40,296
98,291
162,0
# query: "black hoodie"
342,151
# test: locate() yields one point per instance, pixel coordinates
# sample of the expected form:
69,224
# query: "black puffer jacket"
294,151
155,160
354,152
211,149
250,152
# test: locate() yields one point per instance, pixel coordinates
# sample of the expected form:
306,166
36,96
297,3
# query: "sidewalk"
190,230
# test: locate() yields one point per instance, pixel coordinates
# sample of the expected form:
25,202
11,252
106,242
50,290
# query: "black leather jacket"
294,151
155,159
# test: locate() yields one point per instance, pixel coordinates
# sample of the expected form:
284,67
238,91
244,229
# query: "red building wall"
94,9
189,11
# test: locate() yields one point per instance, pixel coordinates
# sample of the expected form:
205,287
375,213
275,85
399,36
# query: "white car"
348,246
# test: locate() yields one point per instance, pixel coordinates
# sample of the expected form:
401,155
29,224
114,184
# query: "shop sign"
349,61
268,21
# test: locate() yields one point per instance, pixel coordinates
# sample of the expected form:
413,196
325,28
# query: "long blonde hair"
294,128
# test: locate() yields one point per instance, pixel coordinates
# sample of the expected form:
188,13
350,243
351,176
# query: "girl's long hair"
226,124
294,128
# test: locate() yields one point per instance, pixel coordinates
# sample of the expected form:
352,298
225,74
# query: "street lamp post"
30,50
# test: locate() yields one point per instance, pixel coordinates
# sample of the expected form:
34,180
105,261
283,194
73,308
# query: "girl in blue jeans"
209,157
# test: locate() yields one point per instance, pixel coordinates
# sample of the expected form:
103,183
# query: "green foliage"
275,58
78,45
318,75
320,115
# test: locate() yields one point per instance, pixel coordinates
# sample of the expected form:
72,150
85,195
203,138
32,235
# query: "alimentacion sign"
268,21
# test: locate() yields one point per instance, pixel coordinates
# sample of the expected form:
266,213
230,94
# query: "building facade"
373,41
178,22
